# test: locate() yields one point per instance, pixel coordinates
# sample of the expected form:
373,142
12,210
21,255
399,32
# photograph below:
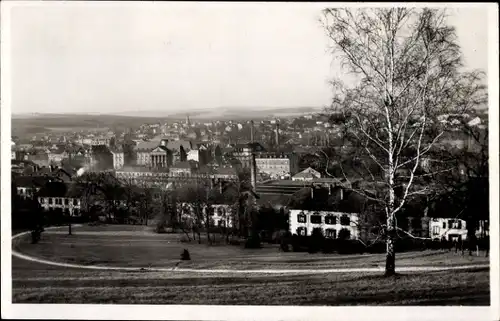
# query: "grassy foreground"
33,283
140,248
137,246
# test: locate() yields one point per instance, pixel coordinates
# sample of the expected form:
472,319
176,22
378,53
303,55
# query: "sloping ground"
34,283
142,248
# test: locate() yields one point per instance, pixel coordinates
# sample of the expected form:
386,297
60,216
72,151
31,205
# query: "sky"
157,56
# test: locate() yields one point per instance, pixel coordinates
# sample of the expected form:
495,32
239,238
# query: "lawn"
138,246
33,283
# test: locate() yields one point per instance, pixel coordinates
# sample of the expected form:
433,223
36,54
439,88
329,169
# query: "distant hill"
36,123
226,113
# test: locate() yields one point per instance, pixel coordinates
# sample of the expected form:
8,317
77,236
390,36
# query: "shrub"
316,240
253,242
160,228
299,243
329,245
185,255
350,247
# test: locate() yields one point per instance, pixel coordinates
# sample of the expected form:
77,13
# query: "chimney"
251,131
277,134
253,171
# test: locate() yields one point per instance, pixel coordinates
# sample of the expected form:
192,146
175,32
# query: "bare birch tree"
404,67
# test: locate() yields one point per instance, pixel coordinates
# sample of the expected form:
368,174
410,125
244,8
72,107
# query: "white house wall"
295,224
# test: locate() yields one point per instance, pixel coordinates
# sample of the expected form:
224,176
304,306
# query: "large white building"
68,205
277,164
220,216
302,222
453,229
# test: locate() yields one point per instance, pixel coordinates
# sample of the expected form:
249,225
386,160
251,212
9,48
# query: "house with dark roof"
59,197
335,210
308,174
185,168
56,156
100,158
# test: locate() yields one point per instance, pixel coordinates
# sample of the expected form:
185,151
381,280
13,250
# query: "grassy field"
33,283
138,246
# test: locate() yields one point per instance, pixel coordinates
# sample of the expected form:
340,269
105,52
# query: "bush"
316,240
329,246
160,228
253,242
350,247
299,243
185,256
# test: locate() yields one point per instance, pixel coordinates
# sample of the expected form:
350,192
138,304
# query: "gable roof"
160,149
147,145
320,199
308,173
176,145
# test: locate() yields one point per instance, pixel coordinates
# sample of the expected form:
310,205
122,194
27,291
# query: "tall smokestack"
251,131
277,134
253,171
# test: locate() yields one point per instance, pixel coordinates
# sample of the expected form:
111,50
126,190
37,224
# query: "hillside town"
280,159
291,155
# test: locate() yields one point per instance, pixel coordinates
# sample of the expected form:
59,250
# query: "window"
330,220
450,224
435,230
76,212
301,218
50,200
302,231
444,224
316,219
345,220
66,201
459,224
331,233
75,202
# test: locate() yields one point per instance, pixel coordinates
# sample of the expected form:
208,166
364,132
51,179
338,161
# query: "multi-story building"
118,157
68,205
143,176
221,215
453,229
182,169
334,210
57,156
302,222
277,164
309,174
97,141
100,158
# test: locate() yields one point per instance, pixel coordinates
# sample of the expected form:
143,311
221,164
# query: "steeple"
187,120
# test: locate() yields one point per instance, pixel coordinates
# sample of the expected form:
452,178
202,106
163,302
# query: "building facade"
67,205
302,222
277,164
454,229
221,215
118,158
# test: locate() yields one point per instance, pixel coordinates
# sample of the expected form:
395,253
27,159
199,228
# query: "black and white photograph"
216,161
